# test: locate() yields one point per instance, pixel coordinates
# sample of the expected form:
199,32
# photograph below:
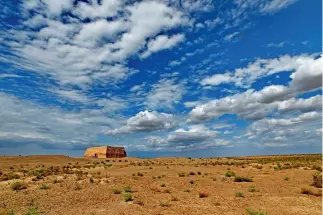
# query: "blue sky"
162,78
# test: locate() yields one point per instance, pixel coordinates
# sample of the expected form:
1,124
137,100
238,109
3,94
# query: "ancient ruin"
105,152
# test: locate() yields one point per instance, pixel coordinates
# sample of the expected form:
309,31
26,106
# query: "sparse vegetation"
317,180
242,179
240,194
44,187
19,185
164,204
163,185
286,178
252,189
309,191
116,191
254,212
230,173
77,186
128,189
127,197
182,174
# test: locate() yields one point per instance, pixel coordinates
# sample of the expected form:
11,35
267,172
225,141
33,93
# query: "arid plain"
259,185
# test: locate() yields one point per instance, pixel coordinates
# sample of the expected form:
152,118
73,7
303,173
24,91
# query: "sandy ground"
277,191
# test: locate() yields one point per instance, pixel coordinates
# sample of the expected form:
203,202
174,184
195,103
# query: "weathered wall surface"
106,152
116,152
96,151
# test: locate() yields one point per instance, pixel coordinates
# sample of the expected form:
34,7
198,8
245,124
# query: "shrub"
317,180
286,178
167,191
174,199
203,194
317,167
127,189
33,211
181,174
229,173
19,185
164,204
252,189
308,191
140,174
240,194
91,180
199,173
242,179
191,182
127,197
163,185
187,190
254,212
116,191
44,187
191,173
77,186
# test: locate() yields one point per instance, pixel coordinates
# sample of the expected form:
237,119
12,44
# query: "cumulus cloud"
189,138
28,122
162,42
303,105
146,121
307,72
77,52
301,129
165,94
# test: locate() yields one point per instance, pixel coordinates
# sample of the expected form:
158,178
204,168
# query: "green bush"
127,197
44,187
127,189
230,173
116,191
240,194
317,180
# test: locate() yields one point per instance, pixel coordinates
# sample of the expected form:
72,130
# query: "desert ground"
53,185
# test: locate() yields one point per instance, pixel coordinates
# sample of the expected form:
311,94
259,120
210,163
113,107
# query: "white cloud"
307,72
276,5
145,121
232,36
73,52
165,94
26,122
303,105
279,45
193,137
213,23
162,42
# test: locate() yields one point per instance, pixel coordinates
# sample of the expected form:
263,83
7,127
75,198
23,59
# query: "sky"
196,78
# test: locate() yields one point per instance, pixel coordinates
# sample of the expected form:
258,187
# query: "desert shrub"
44,187
167,191
174,199
138,202
19,185
286,178
127,189
199,173
181,174
163,185
214,179
127,197
116,191
317,167
77,186
242,179
187,190
254,212
308,191
317,180
191,182
33,211
154,177
252,189
240,194
191,173
91,180
203,194
164,204
229,173
140,174
7,212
